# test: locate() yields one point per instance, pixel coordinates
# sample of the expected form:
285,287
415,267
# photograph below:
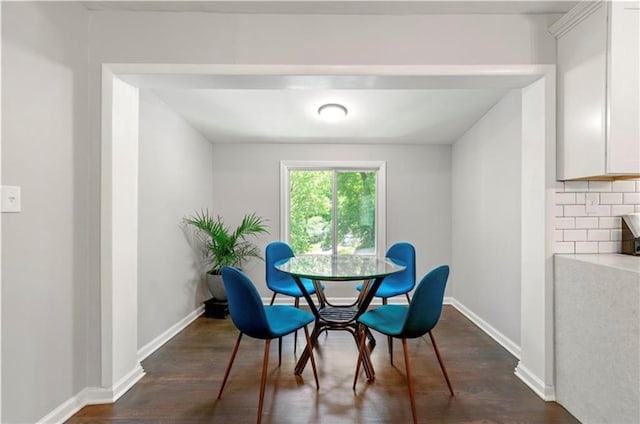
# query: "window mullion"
334,215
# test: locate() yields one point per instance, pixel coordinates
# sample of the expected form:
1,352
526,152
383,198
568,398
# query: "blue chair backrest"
245,305
426,304
404,254
274,252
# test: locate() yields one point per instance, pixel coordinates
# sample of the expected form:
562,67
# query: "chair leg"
263,381
313,360
409,382
444,370
384,300
279,351
408,298
296,303
390,344
363,339
233,356
273,298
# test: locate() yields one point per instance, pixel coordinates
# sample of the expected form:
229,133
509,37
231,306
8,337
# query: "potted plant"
226,247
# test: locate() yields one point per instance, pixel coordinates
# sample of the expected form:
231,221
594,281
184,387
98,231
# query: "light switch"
593,201
11,199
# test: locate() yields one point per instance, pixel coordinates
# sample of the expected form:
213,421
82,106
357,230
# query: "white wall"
247,179
486,237
175,180
46,247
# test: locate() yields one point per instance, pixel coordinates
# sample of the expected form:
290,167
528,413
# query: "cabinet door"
582,64
623,140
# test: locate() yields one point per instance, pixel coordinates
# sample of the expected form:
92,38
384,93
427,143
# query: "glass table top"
338,268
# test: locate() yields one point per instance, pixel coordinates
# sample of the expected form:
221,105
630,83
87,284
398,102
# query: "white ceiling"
385,109
290,116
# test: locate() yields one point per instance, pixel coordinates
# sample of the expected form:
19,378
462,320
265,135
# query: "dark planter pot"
215,286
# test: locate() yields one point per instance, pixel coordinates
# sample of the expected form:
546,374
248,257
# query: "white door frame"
120,365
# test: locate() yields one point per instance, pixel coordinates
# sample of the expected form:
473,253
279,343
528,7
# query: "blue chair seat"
285,320
388,319
289,287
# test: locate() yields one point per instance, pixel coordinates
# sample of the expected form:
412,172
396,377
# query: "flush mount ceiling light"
332,112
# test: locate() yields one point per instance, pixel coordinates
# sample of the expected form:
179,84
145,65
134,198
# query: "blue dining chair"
409,322
280,282
402,282
399,283
254,319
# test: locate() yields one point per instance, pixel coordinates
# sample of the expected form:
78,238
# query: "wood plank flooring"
184,376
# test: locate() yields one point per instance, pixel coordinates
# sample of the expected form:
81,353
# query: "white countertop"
613,260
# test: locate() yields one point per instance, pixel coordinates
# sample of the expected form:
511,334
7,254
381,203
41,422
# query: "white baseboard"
496,335
546,392
154,344
92,396
127,382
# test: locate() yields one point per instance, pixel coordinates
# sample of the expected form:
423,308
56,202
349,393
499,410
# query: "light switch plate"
11,199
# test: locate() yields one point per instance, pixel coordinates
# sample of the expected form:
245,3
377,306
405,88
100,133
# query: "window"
333,207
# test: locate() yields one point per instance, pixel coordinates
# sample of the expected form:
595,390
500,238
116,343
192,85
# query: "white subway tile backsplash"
569,198
575,210
609,247
623,185
599,232
587,247
617,210
566,223
601,210
565,247
576,186
631,198
609,222
609,198
598,235
575,235
599,186
591,222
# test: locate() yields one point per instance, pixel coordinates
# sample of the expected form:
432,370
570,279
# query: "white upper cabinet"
599,90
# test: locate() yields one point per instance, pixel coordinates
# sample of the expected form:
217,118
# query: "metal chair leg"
233,356
296,303
409,382
263,381
279,351
273,298
444,370
408,298
390,345
363,339
313,360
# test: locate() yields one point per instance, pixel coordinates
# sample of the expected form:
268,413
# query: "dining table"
318,268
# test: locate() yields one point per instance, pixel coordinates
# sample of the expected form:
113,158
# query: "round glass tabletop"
338,268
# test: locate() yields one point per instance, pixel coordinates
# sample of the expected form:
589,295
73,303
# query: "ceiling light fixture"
332,112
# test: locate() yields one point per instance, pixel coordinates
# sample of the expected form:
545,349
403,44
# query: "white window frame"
381,199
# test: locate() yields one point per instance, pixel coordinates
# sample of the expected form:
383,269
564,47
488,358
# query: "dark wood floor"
183,378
